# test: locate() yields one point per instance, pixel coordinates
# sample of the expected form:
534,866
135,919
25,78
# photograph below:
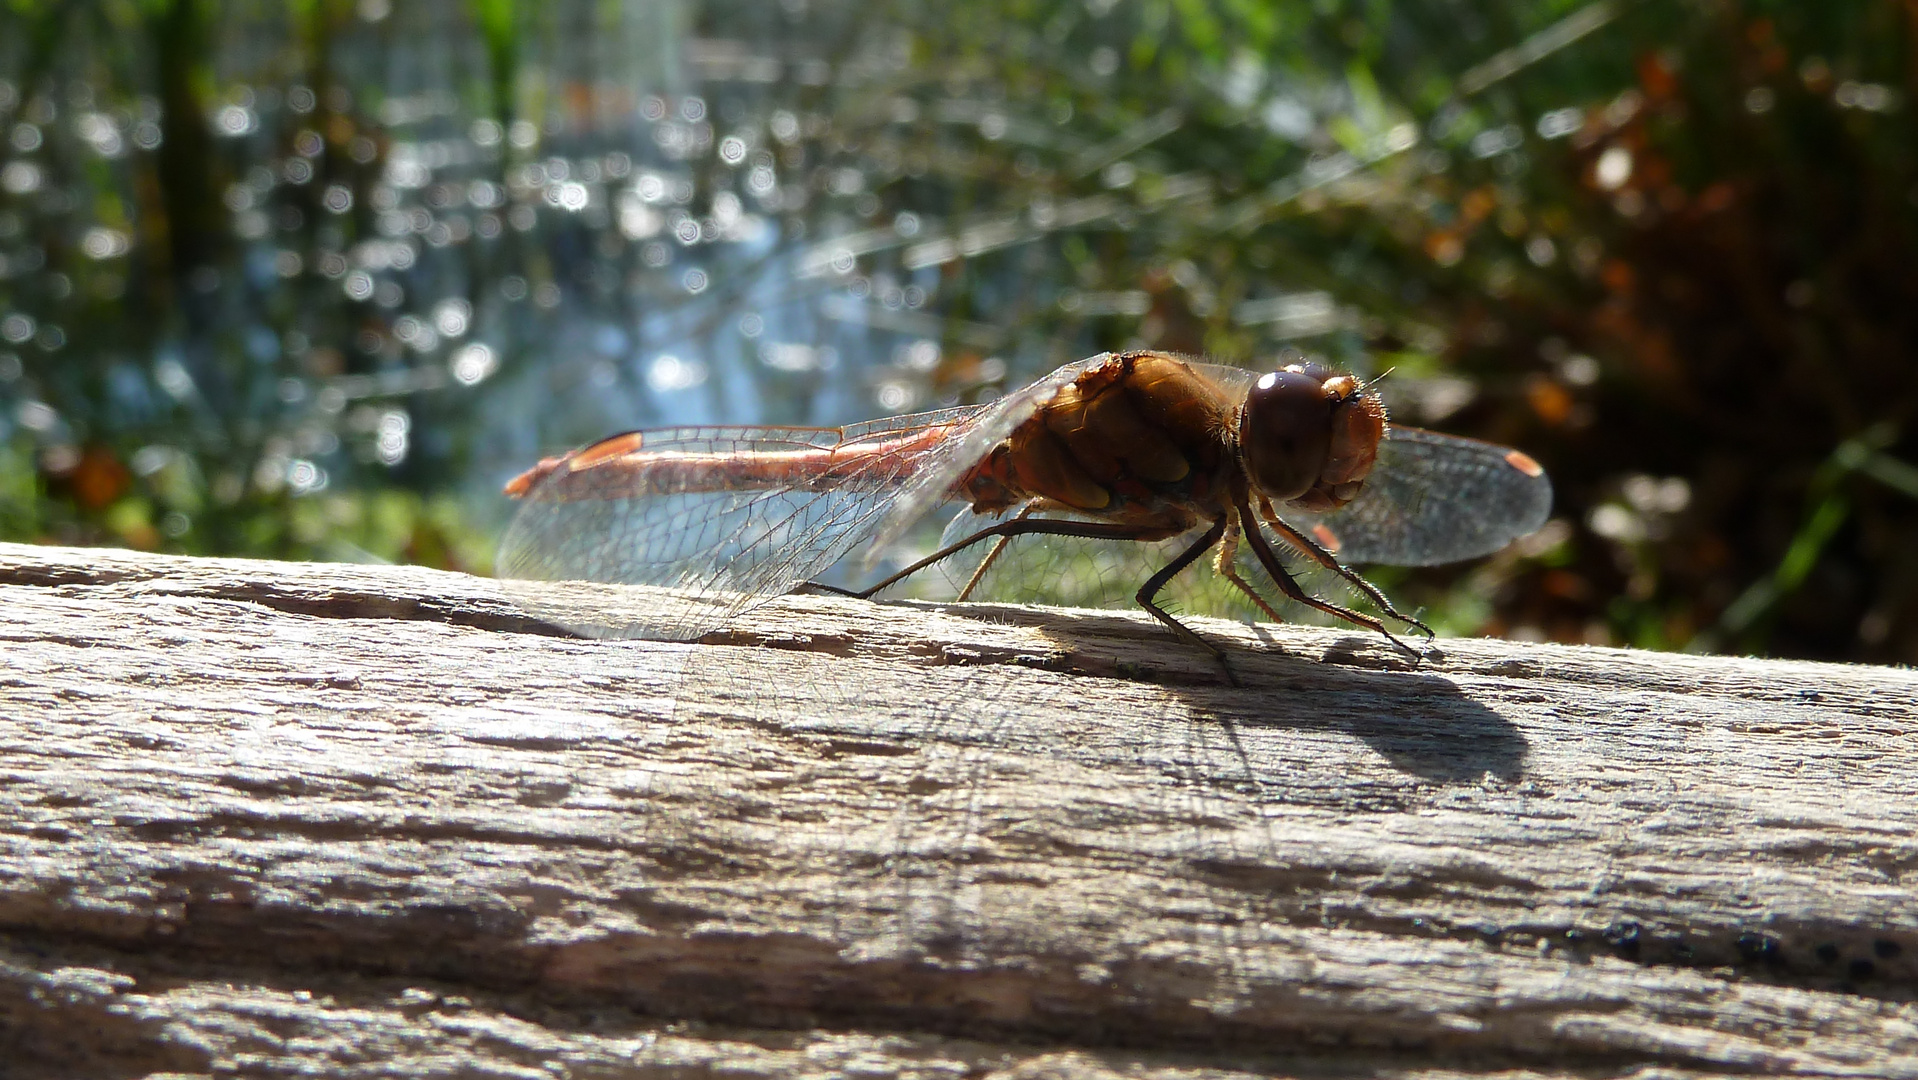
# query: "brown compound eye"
1285,433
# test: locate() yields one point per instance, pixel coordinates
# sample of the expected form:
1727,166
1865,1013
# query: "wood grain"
276,818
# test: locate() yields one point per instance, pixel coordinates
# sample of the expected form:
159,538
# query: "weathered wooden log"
266,818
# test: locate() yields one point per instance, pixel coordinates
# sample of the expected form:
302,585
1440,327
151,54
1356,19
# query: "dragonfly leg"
1020,526
1089,530
1170,570
992,556
1326,559
1228,553
1291,588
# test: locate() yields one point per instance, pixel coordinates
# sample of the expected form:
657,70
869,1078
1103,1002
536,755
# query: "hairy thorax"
1145,440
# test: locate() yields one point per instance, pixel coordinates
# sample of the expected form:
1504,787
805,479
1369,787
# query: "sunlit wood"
266,816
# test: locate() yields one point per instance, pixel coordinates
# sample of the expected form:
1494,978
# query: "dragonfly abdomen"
625,467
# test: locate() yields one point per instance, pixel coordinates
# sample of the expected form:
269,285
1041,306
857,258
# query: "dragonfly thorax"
1141,438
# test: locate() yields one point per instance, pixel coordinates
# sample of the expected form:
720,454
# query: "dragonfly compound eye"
1285,433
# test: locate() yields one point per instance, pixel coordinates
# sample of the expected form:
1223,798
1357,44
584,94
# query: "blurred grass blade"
1829,508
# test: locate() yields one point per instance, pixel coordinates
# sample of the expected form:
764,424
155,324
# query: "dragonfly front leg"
1326,559
1291,589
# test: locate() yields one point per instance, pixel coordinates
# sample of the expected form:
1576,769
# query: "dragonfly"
1140,446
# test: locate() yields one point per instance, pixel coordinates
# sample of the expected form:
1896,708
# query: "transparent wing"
1434,499
690,526
929,487
680,529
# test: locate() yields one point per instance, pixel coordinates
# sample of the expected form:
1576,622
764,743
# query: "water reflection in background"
407,243
313,280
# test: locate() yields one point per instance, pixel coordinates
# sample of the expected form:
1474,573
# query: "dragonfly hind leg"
1021,525
992,556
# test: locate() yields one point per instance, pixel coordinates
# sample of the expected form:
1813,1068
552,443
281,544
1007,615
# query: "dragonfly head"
1309,437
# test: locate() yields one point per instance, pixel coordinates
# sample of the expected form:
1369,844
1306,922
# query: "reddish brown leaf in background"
99,479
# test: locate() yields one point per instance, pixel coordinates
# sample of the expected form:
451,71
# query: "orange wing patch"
519,485
1524,463
607,449
573,461
1327,539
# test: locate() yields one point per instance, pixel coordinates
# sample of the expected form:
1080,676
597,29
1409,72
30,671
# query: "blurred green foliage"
310,280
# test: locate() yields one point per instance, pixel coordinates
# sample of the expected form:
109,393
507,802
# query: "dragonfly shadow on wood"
1286,677
1417,719
1358,685
1422,723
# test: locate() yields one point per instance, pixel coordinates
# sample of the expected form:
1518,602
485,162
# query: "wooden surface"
270,819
